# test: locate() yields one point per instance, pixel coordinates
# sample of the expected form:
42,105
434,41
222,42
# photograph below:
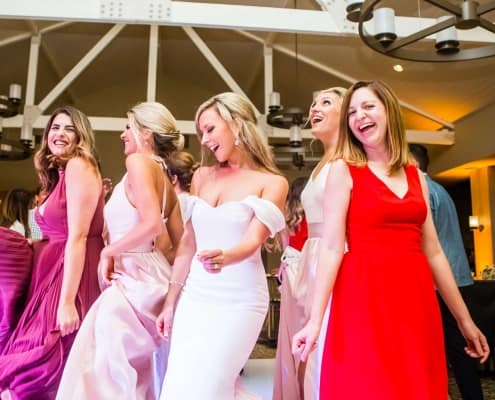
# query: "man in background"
447,225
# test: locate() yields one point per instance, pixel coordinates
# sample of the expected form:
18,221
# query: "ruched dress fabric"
219,316
294,380
33,359
112,354
385,321
16,261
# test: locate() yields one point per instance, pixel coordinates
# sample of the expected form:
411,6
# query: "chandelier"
467,15
11,150
291,118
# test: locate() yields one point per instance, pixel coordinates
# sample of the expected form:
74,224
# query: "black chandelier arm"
485,8
489,26
423,56
421,34
447,6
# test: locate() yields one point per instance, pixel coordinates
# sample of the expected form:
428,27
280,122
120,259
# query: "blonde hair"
350,148
157,118
238,112
47,164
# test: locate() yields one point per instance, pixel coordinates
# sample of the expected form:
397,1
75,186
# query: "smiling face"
324,114
62,136
127,136
216,134
367,118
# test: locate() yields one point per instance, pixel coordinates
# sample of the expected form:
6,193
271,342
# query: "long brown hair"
15,207
351,149
236,110
47,164
294,211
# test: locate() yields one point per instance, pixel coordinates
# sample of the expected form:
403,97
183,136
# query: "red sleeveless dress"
385,339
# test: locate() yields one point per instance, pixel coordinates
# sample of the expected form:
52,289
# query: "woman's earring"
237,141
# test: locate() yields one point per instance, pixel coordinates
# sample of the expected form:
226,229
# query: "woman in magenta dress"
15,274
64,282
384,316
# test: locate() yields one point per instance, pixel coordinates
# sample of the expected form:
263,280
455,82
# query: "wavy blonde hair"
238,112
47,164
350,148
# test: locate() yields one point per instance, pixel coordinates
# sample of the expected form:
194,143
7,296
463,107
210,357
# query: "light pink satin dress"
112,355
295,380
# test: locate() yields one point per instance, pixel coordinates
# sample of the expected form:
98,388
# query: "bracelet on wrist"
178,283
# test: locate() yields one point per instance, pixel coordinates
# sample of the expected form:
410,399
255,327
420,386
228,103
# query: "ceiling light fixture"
466,16
398,68
9,107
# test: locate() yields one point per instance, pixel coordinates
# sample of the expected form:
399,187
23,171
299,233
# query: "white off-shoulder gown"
219,315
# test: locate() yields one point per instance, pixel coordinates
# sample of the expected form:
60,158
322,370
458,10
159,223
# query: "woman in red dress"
385,316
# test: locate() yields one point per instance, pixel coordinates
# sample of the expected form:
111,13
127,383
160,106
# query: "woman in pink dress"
376,199
64,282
112,354
294,379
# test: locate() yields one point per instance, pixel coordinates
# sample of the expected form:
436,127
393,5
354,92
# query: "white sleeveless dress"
111,355
219,316
295,380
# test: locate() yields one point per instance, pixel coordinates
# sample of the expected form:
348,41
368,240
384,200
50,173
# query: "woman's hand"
106,268
67,318
212,260
477,346
164,322
304,341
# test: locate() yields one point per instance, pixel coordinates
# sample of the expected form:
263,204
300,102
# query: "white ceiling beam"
225,16
27,35
344,77
111,124
152,63
217,65
80,67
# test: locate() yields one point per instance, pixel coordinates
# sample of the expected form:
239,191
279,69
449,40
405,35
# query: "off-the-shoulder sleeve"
186,203
267,212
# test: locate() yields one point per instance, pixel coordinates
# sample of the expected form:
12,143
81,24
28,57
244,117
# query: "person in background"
446,223
14,211
297,379
64,281
112,354
181,166
377,201
214,311
297,228
36,200
15,273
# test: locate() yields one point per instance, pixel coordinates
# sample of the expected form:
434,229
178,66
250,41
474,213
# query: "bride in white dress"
218,297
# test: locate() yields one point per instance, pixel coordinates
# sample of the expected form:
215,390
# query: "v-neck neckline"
388,187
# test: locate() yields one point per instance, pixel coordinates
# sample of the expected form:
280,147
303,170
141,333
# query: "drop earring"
237,141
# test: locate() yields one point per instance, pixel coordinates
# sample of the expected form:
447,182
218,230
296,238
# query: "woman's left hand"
212,260
67,318
477,346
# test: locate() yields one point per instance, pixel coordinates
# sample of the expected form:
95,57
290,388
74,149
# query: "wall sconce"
474,223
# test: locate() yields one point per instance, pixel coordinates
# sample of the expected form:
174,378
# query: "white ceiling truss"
330,20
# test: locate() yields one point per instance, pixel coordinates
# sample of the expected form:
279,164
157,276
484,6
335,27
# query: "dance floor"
258,377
